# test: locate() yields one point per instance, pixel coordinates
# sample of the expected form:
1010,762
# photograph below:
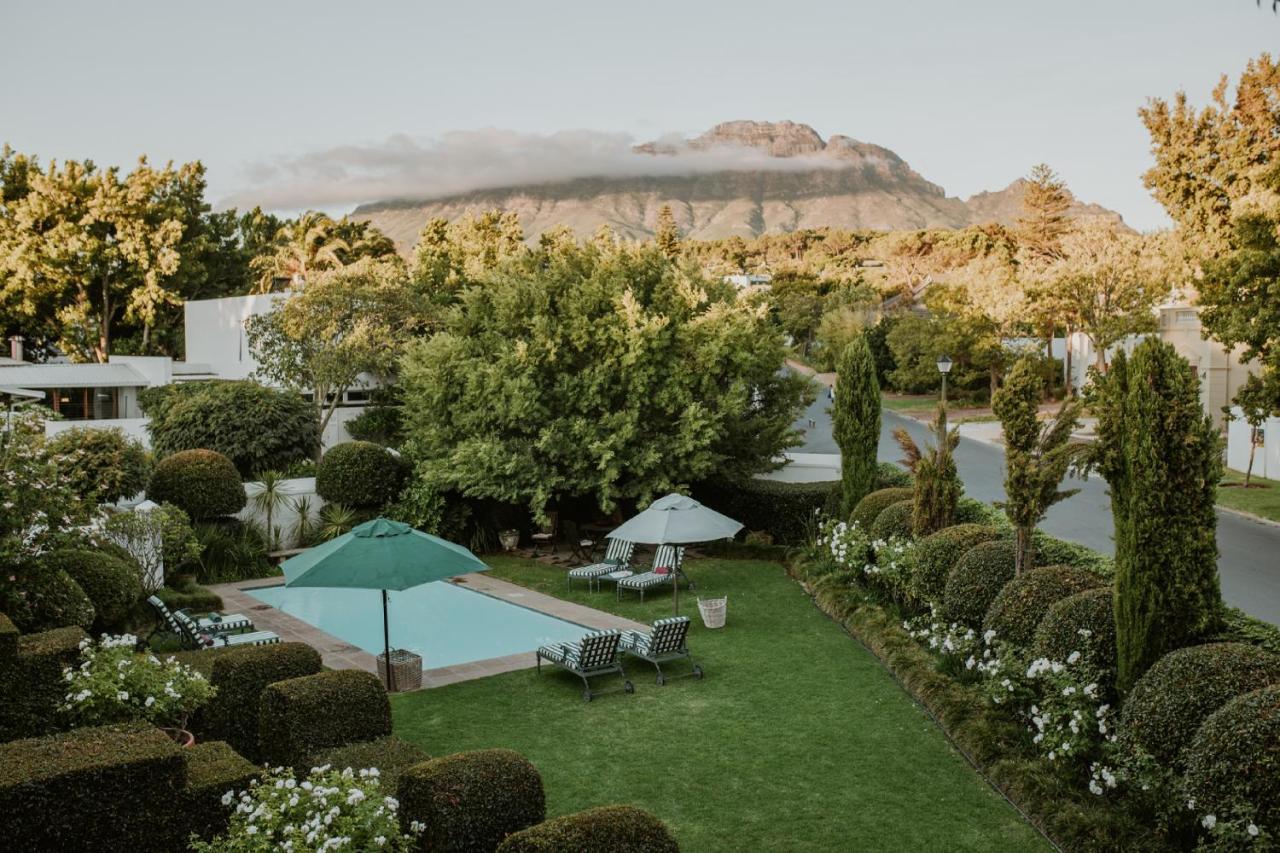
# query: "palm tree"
302,247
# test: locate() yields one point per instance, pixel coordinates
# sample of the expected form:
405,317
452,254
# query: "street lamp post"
944,367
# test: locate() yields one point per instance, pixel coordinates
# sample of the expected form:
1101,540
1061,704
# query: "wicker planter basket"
406,669
713,611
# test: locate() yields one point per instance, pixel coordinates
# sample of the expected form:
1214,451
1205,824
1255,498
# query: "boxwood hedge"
471,801
937,554
113,585
1235,757
1172,699
41,598
1019,607
976,580
301,716
894,522
360,475
786,511
891,475
213,769
1059,632
869,508
616,829
391,755
31,684
202,483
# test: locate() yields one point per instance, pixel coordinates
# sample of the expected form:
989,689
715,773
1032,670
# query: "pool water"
445,623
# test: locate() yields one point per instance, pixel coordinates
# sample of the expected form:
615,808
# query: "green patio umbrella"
381,554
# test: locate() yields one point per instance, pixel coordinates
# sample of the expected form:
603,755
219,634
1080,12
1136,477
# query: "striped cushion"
594,570
258,638
230,622
646,580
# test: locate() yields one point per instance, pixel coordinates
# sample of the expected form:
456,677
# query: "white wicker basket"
713,611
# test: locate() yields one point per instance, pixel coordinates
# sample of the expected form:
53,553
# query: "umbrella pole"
386,645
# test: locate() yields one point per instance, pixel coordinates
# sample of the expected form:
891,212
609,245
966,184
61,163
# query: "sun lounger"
664,643
210,632
214,622
617,558
595,654
667,561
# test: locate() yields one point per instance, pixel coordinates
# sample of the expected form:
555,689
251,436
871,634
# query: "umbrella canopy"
380,554
676,520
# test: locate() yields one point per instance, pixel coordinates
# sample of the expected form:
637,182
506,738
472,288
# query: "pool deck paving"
339,654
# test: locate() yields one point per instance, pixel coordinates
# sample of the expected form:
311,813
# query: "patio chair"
667,561
210,623
595,654
196,638
581,547
546,534
664,643
617,558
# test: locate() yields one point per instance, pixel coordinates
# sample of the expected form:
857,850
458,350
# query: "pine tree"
1044,212
667,234
856,421
1160,454
1036,459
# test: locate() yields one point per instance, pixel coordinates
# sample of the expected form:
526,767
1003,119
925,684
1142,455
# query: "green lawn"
1262,501
796,740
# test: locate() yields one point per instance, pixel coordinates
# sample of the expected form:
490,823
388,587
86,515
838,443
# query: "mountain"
793,179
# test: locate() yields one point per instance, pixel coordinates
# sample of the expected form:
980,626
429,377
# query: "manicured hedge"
9,635
1019,607
189,595
471,801
301,716
42,598
937,554
102,465
890,475
213,769
869,508
786,511
241,675
1050,551
391,755
894,522
360,475
31,685
976,580
974,511
1059,632
113,585
1235,756
1240,627
1170,702
202,483
607,829
92,789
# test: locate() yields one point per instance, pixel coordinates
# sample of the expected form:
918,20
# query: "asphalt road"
1249,551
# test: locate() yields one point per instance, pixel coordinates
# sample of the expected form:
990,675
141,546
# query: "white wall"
215,332
1266,459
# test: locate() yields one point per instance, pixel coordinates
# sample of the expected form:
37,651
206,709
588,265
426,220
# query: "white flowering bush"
114,683
1072,718
38,504
1238,830
958,646
329,810
847,544
891,564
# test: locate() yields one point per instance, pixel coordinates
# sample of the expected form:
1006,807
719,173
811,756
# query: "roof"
65,375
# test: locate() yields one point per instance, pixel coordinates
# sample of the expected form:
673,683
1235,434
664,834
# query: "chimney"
15,348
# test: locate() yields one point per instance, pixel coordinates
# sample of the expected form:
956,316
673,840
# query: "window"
84,404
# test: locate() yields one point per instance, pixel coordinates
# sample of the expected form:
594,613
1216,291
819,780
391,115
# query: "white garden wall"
285,516
1266,459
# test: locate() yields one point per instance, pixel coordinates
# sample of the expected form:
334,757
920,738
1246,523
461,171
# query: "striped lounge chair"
664,643
669,557
206,632
617,558
595,654
212,623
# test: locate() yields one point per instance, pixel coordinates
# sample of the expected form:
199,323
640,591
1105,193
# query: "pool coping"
339,654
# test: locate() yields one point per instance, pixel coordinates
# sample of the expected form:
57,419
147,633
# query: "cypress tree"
856,421
1161,456
667,234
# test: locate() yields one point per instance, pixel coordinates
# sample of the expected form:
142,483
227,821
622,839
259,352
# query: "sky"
281,100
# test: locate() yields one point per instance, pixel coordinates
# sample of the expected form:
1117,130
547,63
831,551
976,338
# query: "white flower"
151,700
1252,829
228,798
1095,787
123,695
1073,657
1209,821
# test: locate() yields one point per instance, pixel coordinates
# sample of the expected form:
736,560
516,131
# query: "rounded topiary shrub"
976,580
113,585
42,598
890,475
937,554
974,511
359,474
102,464
469,802
202,483
869,508
1172,699
1235,756
1085,623
1017,610
894,521
617,829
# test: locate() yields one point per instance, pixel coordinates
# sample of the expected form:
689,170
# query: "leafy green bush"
231,550
390,755
41,598
102,465
890,475
113,787
786,511
300,716
469,802
869,508
1051,551
1019,607
937,553
1232,758
1240,627
213,768
241,675
113,683
617,829
1173,698
378,423
974,511
1059,632
31,679
257,428
113,585
359,474
976,580
202,483
894,522
185,594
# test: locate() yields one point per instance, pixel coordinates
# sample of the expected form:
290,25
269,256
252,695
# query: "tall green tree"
666,234
1161,456
1043,220
855,415
452,255
1036,458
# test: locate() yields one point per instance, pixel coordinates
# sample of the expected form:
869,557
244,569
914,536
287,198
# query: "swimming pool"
445,623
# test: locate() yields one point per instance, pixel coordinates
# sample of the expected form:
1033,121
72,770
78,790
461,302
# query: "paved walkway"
339,654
